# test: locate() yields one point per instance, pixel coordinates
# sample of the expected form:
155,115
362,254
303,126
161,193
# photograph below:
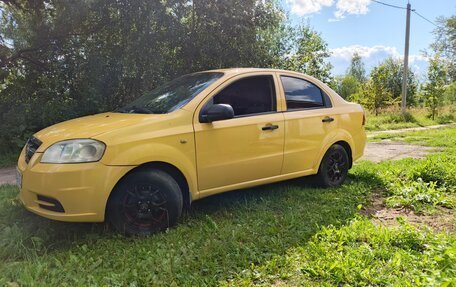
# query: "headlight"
72,151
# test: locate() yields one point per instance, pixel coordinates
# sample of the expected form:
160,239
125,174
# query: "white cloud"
347,52
305,7
343,7
357,7
372,56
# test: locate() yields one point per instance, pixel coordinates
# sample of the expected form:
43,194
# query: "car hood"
89,126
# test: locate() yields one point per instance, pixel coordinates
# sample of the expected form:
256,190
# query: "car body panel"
76,186
213,157
89,126
238,150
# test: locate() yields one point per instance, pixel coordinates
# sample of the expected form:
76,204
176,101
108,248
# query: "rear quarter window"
302,94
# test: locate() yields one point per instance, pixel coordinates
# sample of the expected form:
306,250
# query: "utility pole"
406,55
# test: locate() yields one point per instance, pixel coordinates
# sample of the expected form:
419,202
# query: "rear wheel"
333,168
145,202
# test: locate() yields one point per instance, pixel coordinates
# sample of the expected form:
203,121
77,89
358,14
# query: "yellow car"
198,135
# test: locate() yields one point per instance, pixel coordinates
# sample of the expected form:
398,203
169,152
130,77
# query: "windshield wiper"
134,110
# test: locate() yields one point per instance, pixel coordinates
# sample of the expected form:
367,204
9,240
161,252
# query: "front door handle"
270,127
327,120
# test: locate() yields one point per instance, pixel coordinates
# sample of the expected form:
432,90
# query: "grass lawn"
283,234
416,117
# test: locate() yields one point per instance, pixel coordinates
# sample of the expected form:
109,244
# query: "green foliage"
392,118
435,86
8,159
423,184
356,68
376,91
307,54
417,195
384,87
394,73
64,59
445,43
360,254
347,86
450,93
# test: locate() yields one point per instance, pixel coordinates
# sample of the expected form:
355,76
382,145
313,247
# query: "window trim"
274,96
327,103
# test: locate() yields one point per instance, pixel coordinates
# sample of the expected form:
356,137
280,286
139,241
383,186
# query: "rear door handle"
327,120
270,127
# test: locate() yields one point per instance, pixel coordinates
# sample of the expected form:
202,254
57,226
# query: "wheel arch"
342,142
170,169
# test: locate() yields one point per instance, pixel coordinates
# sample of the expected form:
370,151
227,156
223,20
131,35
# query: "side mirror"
216,112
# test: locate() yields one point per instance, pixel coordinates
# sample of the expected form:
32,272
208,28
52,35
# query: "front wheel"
145,202
333,168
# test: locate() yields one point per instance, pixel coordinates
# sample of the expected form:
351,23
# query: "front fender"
180,155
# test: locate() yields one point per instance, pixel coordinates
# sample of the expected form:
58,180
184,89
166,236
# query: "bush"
446,119
438,168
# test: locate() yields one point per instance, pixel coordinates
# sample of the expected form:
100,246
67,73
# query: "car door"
309,123
247,147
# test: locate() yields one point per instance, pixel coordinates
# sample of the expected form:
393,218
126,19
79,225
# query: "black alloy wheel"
334,167
145,202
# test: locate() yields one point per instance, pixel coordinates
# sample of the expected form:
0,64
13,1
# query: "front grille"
30,148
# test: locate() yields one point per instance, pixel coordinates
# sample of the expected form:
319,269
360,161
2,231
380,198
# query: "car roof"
249,70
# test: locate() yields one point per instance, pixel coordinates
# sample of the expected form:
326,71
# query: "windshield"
172,95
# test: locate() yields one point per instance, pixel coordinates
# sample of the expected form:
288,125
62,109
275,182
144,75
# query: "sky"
374,30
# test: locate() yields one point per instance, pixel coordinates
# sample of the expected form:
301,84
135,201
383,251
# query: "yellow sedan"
198,135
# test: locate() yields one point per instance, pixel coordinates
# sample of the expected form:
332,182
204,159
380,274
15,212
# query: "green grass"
361,254
422,185
229,236
415,117
221,235
444,137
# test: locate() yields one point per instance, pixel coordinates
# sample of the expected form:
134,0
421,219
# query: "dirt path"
398,131
388,150
376,152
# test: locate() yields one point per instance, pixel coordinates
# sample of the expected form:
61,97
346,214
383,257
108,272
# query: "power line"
414,11
405,8
386,4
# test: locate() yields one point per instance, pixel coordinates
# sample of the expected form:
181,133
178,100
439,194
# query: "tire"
333,168
145,202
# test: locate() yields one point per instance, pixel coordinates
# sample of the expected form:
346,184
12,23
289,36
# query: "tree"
376,93
356,68
435,87
445,43
450,93
308,54
346,86
60,59
392,80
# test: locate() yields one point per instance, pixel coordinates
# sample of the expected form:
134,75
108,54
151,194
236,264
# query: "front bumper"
81,190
